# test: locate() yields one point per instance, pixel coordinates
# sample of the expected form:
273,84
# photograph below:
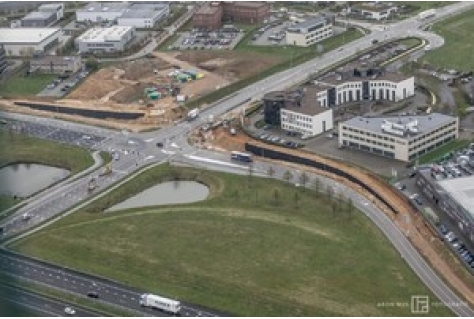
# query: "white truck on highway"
161,303
426,14
193,114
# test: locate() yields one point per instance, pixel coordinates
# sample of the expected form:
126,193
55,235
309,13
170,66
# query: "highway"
12,298
138,150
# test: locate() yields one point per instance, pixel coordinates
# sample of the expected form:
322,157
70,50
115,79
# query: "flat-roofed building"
54,64
39,19
101,11
112,39
403,138
27,41
143,15
309,32
57,7
373,10
208,17
246,11
454,196
306,116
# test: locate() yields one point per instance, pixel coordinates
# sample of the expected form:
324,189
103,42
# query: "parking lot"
60,87
225,38
53,133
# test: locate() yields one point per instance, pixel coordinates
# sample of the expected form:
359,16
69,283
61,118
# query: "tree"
271,171
296,198
92,63
329,192
317,185
334,207
287,176
276,195
250,174
303,179
341,200
350,206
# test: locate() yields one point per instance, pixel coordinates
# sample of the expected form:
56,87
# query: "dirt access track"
121,86
406,217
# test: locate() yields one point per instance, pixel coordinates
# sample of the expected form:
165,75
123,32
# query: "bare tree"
271,171
334,208
287,176
329,192
250,174
303,179
341,200
296,198
317,185
350,207
276,195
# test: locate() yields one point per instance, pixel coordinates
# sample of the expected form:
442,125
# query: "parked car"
159,144
443,229
69,311
93,294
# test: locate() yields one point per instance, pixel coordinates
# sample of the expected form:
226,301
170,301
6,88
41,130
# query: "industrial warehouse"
110,39
28,41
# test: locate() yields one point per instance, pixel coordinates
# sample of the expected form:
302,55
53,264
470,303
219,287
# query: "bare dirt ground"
408,220
121,87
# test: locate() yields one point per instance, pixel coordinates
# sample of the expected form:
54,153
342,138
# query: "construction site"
153,89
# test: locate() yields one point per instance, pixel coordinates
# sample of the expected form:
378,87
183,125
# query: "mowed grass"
245,251
20,86
458,33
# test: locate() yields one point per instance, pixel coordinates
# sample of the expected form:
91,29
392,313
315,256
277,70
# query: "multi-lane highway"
139,150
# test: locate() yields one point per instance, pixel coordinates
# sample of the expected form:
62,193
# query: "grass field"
253,249
25,86
456,53
24,149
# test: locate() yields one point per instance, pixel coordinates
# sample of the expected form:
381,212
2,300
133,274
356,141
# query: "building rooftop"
50,6
309,104
424,123
111,34
149,6
374,6
309,23
142,14
25,35
208,10
37,15
104,6
55,59
248,4
461,190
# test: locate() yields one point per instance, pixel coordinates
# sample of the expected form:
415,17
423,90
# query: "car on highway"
69,311
93,294
400,186
159,144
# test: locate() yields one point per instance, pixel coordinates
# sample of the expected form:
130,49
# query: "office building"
309,32
112,39
403,138
28,41
208,17
3,60
56,7
373,10
53,64
363,83
39,19
97,12
246,11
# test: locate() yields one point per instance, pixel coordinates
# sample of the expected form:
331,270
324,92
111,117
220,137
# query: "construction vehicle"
92,184
107,170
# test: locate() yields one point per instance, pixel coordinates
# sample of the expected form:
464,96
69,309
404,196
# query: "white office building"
403,138
363,85
144,15
101,11
57,7
110,39
373,10
305,116
28,41
309,32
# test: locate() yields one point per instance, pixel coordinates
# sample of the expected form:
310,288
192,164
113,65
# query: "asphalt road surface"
19,302
139,150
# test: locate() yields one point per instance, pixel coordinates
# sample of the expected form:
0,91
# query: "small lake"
175,192
24,180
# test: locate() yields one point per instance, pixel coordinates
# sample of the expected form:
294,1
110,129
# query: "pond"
24,179
176,192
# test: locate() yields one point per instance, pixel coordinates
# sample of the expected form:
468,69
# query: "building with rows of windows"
403,138
309,32
363,84
110,39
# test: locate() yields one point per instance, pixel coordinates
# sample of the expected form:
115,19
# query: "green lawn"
7,202
415,7
245,251
456,53
440,152
21,86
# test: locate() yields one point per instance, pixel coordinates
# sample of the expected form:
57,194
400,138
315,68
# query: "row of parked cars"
278,140
68,85
457,245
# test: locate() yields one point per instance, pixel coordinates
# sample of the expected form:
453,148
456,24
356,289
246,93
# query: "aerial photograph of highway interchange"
231,158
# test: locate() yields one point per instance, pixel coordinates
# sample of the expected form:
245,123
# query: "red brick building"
247,12
209,17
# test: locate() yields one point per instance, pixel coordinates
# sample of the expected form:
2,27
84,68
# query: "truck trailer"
161,303
426,14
